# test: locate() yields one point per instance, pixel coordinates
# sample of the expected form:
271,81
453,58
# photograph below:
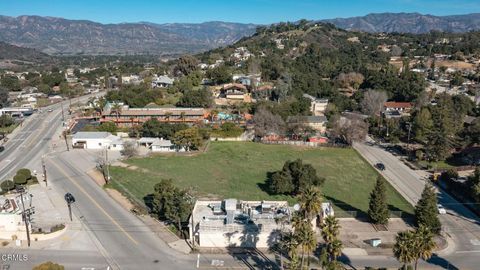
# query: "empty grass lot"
238,170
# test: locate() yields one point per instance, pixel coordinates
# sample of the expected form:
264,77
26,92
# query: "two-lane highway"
122,241
459,223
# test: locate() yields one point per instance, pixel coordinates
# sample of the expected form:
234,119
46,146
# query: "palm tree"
167,116
182,116
290,244
330,229
213,114
334,249
117,109
306,238
424,244
403,248
310,202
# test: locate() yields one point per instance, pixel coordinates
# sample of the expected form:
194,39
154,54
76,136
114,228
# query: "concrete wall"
238,239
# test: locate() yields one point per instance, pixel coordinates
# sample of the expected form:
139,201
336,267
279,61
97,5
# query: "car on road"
441,209
2,148
49,110
380,166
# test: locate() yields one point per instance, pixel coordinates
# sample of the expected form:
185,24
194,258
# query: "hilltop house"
162,81
318,106
393,109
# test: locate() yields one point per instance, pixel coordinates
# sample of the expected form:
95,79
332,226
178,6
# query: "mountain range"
415,23
58,36
69,37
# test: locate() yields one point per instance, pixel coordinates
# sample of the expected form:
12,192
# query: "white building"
233,223
162,81
158,145
97,140
318,106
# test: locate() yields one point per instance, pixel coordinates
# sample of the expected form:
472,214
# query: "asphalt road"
459,224
122,241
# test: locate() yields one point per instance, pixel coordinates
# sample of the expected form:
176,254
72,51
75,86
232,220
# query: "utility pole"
106,164
25,217
63,115
66,141
44,171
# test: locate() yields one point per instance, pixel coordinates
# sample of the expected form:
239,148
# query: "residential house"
234,91
96,140
162,81
158,144
318,106
393,109
317,123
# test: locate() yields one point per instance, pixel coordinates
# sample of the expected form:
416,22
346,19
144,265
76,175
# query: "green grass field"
238,170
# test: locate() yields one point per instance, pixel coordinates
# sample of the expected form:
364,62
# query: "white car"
441,209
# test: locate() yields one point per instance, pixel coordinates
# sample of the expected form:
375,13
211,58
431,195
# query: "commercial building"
127,117
96,140
234,223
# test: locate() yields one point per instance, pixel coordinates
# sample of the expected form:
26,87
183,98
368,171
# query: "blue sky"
246,11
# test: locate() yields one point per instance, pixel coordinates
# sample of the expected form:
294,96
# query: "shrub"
7,185
20,179
26,172
49,266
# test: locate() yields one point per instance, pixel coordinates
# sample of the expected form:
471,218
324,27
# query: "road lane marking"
94,202
468,251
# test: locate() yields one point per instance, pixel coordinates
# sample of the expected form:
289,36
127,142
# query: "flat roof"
91,135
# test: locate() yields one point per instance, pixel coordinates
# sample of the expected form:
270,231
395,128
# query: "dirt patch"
120,164
119,198
133,168
96,176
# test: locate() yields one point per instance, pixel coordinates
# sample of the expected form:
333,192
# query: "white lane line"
468,251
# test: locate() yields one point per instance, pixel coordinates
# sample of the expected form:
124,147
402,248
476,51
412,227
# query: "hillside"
69,37
11,55
409,23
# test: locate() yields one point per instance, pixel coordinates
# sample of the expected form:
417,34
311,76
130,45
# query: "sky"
244,11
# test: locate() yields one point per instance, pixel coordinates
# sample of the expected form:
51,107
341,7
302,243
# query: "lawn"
238,170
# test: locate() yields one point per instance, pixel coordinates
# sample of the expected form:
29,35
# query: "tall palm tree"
290,244
403,248
182,116
167,116
117,109
306,239
334,249
213,114
424,244
330,229
310,202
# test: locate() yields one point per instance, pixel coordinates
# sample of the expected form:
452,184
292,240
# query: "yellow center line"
94,202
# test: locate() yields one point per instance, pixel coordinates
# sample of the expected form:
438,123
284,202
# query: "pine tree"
426,210
378,208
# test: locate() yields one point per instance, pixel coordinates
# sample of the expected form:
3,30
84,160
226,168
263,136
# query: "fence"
363,215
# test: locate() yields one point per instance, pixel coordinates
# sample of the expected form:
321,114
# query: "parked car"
380,166
2,148
441,209
49,110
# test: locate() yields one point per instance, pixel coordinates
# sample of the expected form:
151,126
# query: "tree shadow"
265,186
148,200
248,253
346,207
441,262
405,216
